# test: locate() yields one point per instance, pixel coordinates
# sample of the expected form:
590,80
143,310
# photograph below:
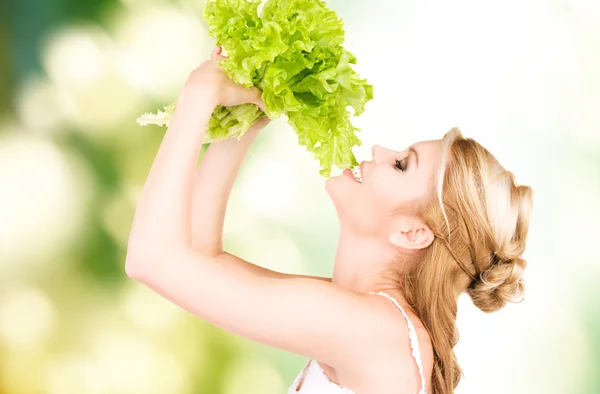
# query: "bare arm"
279,313
241,264
212,187
313,318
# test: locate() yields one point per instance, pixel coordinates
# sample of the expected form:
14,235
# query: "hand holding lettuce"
291,52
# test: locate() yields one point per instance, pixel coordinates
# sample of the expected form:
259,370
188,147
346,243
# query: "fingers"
216,53
255,97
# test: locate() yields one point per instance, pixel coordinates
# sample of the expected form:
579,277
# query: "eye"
401,164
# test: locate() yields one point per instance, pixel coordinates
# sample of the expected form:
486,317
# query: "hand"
209,76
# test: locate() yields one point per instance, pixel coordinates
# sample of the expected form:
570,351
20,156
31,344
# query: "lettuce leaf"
292,51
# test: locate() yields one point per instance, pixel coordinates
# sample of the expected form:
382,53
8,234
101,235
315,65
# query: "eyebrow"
411,149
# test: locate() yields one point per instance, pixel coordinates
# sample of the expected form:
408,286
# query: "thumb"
255,97
217,51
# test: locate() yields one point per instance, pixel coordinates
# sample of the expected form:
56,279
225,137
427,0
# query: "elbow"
139,249
132,273
133,269
144,266
137,264
143,262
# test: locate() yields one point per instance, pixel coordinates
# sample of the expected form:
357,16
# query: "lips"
348,173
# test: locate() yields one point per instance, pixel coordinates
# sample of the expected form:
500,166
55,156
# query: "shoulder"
395,316
391,344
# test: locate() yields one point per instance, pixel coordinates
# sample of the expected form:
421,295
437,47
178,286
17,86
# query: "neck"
361,262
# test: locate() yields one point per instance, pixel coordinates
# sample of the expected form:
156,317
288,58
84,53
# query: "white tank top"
315,381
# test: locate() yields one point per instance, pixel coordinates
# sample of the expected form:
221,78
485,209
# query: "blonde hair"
480,218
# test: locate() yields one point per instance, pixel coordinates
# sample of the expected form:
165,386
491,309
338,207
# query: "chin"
334,186
341,181
340,190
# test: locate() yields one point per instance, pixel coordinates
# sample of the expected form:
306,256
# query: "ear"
412,234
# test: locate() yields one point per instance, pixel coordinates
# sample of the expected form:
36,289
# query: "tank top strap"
412,334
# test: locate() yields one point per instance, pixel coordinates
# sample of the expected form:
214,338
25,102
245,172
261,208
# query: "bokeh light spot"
27,317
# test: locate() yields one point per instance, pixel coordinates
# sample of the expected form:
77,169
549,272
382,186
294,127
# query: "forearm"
162,218
214,180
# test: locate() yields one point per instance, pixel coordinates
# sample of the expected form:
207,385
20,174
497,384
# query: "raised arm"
212,187
309,317
213,182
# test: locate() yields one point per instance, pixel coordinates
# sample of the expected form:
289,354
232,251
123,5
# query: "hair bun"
502,282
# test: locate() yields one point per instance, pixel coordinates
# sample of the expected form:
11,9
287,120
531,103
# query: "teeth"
357,174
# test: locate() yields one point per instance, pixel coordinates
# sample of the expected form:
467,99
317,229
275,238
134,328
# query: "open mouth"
354,173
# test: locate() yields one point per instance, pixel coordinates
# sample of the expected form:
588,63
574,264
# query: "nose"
376,151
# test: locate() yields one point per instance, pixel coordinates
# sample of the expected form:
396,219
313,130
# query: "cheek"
382,191
389,192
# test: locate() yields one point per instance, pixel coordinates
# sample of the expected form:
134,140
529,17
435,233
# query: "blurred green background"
521,77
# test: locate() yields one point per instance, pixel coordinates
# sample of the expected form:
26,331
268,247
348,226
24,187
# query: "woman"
418,228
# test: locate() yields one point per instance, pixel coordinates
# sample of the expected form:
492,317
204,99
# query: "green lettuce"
292,51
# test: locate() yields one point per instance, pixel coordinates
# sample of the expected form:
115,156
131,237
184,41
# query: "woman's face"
394,181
